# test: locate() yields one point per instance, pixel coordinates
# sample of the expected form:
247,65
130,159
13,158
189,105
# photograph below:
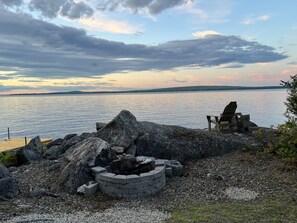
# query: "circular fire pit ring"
130,186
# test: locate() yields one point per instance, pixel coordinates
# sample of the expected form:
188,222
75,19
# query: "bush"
286,143
285,140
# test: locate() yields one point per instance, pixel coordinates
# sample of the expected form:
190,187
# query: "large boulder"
32,152
78,160
182,144
122,131
8,184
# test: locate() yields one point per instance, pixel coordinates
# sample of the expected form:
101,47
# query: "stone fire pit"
144,178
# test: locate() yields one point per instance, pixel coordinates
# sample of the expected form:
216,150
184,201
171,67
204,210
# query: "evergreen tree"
291,103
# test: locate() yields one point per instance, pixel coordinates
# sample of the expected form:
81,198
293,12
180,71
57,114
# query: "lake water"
57,115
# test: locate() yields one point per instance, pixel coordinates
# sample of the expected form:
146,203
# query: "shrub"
285,140
286,143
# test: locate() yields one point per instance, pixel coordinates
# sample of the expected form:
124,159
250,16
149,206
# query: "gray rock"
8,187
177,168
168,172
86,135
121,131
69,136
132,150
56,142
54,167
12,169
100,125
77,163
182,144
71,142
32,152
54,152
88,189
215,176
8,184
3,198
39,192
4,172
118,149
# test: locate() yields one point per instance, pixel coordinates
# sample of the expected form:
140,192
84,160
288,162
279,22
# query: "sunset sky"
106,45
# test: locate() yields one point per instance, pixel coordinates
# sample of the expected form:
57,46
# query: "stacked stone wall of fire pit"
131,186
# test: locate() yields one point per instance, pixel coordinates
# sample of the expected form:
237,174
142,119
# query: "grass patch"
266,211
8,159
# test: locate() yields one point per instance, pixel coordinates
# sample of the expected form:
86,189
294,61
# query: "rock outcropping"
124,133
168,142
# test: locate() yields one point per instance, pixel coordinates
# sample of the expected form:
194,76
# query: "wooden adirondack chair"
225,119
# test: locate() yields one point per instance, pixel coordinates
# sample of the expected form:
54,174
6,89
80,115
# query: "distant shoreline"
160,90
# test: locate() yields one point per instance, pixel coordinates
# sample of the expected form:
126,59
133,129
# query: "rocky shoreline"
217,167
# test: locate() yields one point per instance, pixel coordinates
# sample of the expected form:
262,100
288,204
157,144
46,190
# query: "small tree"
291,103
285,145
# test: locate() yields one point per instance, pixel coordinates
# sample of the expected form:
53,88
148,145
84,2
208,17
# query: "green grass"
8,159
266,211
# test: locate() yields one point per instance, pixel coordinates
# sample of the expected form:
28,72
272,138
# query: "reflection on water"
56,115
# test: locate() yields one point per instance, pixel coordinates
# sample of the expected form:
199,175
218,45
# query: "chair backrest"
228,112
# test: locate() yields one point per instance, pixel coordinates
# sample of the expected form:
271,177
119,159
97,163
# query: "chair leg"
209,122
218,124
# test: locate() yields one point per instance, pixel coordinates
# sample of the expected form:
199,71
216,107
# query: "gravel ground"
111,215
245,173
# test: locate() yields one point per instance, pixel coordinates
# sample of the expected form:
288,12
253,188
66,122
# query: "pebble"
111,215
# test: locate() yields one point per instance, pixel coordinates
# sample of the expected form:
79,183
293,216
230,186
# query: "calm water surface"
56,115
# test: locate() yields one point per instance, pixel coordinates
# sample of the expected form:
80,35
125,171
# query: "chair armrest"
216,116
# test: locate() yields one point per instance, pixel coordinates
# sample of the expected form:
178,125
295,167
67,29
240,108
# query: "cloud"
10,88
67,8
232,66
179,80
108,25
4,77
205,33
205,11
10,3
229,77
254,19
35,48
154,7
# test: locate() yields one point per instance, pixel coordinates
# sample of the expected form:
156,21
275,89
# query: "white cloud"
252,19
205,33
101,23
205,11
153,7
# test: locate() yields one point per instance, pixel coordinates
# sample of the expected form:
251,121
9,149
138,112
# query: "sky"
110,45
